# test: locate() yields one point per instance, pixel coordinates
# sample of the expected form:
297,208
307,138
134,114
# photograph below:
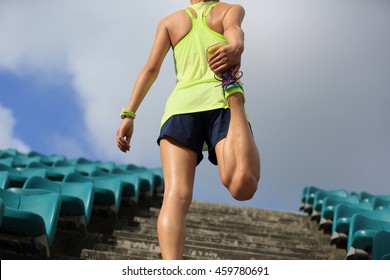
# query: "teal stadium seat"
152,175
22,160
2,209
108,191
105,166
4,180
24,172
131,184
308,200
319,197
342,214
30,219
55,173
381,246
48,160
86,166
145,179
77,198
7,161
328,207
366,197
362,230
16,181
341,220
82,167
381,202
303,198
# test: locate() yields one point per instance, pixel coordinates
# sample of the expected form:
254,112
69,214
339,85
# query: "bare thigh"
178,165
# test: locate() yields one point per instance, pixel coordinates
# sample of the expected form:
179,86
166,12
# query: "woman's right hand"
124,134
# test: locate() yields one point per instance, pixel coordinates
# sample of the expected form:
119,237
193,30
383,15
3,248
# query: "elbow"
151,71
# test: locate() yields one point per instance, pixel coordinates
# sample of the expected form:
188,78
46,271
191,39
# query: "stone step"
135,250
260,245
245,214
263,217
268,247
92,254
132,248
214,208
205,235
293,231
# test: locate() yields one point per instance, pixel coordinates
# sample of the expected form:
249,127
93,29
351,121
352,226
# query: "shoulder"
226,7
173,18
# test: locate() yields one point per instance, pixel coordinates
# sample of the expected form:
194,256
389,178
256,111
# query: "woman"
199,111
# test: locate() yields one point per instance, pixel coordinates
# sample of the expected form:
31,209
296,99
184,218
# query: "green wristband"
127,114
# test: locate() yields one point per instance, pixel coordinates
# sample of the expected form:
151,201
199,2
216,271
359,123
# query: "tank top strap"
190,14
209,8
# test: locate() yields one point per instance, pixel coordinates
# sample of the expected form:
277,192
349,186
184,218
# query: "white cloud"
7,137
100,45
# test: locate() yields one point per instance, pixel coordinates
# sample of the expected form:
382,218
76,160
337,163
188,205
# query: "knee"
243,187
174,209
243,192
177,200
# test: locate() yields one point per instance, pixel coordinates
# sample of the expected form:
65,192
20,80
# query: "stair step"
91,254
264,245
290,231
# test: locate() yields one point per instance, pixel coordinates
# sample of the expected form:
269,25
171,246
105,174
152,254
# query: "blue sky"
316,74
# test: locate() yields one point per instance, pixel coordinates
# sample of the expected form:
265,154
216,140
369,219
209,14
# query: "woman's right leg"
178,164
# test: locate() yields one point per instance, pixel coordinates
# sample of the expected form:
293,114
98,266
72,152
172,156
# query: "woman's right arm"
229,56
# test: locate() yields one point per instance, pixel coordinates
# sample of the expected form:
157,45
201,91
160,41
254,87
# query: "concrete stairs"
214,232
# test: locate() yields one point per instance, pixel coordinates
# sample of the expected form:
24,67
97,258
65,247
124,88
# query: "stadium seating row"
358,222
37,191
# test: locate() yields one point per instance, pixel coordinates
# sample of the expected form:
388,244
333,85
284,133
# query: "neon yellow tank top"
196,88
